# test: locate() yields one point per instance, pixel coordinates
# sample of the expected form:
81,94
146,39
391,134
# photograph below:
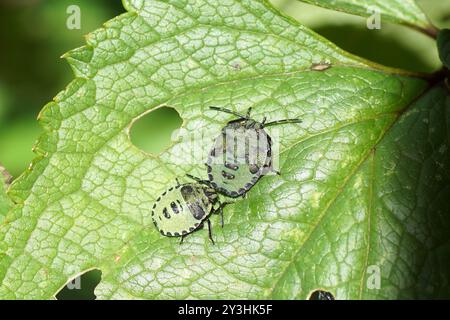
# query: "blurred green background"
34,35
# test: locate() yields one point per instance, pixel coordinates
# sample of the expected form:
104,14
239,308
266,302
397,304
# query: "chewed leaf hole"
81,287
152,132
321,295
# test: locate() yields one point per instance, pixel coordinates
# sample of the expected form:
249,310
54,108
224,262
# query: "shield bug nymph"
241,154
184,208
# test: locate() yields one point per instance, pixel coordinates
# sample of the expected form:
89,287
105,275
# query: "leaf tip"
79,60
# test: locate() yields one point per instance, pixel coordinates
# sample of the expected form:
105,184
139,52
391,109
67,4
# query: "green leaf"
5,202
355,198
364,178
398,11
443,43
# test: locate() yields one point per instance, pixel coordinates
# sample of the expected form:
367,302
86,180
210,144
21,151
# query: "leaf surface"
364,177
5,202
443,43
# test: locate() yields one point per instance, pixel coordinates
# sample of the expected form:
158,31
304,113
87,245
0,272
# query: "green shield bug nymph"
184,208
241,154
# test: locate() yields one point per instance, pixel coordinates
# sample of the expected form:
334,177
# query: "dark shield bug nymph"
241,154
184,208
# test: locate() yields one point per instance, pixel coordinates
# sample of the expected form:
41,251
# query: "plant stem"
438,76
430,31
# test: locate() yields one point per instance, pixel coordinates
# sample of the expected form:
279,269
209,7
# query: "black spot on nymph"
174,207
197,211
253,168
227,175
187,189
231,166
166,213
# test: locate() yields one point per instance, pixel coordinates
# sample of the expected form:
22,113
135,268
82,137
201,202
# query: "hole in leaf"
82,287
321,295
152,132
